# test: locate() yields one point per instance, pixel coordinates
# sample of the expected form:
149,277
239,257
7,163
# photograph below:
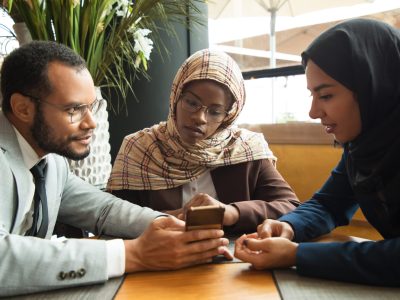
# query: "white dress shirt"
203,184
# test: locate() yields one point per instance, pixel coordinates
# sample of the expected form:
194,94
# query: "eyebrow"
190,92
322,86
78,103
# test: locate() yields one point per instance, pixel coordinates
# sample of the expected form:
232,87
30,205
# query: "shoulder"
58,168
144,137
57,160
246,134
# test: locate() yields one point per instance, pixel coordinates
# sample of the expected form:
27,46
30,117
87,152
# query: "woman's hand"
266,253
273,228
231,215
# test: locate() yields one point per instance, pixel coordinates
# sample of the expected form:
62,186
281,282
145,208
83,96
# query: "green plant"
111,35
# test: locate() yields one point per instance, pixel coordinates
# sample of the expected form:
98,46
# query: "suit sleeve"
30,264
102,213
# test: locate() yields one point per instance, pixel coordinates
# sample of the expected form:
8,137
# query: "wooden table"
210,281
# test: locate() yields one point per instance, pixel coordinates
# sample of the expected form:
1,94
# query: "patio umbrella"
297,12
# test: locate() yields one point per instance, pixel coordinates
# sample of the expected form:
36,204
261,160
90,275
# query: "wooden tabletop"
210,281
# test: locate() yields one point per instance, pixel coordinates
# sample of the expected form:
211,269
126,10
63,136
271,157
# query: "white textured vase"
23,37
96,168
22,33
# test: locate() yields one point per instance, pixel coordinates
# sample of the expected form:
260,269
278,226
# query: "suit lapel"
22,177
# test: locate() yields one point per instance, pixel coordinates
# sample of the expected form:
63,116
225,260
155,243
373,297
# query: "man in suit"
48,110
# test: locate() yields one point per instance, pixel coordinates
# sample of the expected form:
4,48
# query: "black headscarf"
364,56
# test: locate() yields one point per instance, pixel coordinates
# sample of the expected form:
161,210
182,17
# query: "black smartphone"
205,217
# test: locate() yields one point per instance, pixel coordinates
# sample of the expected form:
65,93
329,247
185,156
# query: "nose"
88,121
200,116
315,110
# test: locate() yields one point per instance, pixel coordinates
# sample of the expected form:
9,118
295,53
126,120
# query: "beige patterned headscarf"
157,158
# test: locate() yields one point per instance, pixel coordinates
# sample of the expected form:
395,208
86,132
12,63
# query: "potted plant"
115,37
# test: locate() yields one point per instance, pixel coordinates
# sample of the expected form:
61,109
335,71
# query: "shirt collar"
29,155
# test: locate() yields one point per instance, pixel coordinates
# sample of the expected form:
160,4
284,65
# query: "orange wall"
306,167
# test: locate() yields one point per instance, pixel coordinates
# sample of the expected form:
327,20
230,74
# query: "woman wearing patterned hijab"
353,73
197,157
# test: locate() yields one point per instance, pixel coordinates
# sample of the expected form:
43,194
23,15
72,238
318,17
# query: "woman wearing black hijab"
353,73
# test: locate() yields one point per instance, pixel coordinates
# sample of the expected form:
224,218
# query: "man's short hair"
24,70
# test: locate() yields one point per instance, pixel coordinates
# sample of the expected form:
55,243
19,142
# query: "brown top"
256,188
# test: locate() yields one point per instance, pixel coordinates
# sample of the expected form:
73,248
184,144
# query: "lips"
195,130
84,139
329,128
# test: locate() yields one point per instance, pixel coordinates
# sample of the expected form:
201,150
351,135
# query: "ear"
22,107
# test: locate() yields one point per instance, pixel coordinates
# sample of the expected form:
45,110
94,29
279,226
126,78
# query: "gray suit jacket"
29,264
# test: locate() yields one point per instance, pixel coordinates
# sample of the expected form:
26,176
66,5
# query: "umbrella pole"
272,60
272,38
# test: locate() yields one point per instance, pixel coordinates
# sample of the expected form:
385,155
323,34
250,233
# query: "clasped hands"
270,247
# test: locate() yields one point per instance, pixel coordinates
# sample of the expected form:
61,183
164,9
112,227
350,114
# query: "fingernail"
221,250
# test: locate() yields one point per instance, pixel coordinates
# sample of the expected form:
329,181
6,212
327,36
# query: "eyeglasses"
214,113
77,112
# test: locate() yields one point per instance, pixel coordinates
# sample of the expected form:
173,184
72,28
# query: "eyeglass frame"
89,107
201,106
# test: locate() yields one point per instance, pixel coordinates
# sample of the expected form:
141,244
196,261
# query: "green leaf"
93,29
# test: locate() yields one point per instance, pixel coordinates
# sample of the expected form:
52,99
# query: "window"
264,38
276,99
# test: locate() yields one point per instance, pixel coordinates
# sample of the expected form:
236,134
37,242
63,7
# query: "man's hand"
178,213
164,245
266,253
231,215
274,228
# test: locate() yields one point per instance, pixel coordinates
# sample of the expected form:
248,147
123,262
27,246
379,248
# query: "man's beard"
46,139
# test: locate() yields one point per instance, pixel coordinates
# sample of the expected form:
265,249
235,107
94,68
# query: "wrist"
292,254
289,230
132,257
231,216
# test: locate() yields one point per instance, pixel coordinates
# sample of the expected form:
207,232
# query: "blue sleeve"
334,205
376,263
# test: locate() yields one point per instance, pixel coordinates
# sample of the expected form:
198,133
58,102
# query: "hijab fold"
364,56
157,158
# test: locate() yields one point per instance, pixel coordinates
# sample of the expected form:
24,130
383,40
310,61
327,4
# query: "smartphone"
205,217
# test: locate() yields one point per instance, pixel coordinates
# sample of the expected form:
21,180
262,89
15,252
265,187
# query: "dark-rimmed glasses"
214,113
77,112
